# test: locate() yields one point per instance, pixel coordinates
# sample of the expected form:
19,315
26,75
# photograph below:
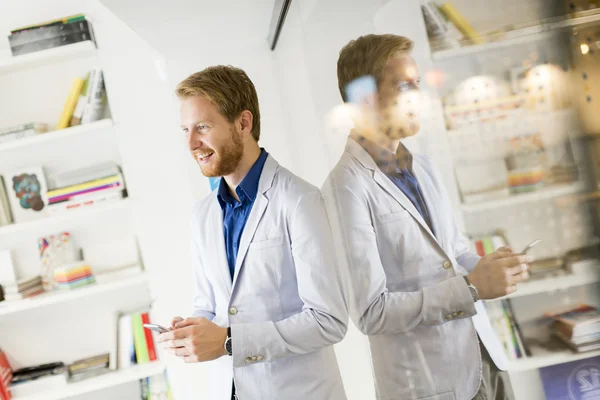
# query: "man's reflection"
414,283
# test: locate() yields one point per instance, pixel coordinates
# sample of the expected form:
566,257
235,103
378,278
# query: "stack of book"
156,388
488,244
5,376
50,34
85,188
135,344
21,131
89,367
5,213
578,327
72,276
23,288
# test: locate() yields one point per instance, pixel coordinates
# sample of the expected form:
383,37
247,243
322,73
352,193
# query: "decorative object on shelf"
50,34
576,380
17,132
27,193
546,87
55,250
586,76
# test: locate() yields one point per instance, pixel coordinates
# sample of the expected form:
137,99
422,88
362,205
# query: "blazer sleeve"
323,320
373,308
204,298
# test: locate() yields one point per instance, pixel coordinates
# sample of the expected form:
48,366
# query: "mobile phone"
530,245
156,328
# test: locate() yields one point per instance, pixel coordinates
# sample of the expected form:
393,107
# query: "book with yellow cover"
69,108
461,23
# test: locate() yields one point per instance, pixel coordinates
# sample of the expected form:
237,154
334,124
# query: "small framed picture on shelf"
27,193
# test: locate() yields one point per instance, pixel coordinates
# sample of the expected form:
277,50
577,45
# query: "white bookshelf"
545,30
545,358
65,217
41,58
56,297
104,381
94,127
545,193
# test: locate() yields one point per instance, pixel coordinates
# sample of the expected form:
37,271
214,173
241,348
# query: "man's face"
213,141
399,98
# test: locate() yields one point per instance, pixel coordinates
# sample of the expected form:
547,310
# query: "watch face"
228,346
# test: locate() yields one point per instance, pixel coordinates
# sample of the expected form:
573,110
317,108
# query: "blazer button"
248,360
460,313
454,314
232,311
449,316
260,358
254,359
447,264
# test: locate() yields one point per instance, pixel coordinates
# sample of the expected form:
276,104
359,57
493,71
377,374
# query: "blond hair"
228,88
368,55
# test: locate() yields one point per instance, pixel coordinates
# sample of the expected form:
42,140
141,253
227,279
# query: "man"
268,296
414,283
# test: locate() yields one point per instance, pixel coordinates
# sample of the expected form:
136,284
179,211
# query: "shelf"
546,193
589,275
43,57
545,358
51,136
104,381
64,217
56,297
545,30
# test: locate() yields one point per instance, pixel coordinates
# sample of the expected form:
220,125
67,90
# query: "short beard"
229,157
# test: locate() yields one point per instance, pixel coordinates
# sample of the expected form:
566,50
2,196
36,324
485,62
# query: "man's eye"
201,127
403,86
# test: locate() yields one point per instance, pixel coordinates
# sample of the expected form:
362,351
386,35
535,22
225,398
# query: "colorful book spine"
139,339
149,338
479,247
461,23
96,98
488,247
84,186
80,107
70,104
68,196
124,342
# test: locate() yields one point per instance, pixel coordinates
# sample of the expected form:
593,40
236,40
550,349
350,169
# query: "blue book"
576,380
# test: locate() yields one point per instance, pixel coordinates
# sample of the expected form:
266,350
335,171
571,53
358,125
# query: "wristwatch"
472,289
227,344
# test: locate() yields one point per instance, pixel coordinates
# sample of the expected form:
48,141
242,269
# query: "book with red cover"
149,339
581,314
479,246
5,376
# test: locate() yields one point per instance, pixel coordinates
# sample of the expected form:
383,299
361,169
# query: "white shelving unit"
544,358
93,127
543,31
41,58
67,61
104,381
50,298
71,215
550,192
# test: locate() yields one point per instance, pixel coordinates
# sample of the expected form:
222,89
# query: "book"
149,338
452,14
96,98
577,380
64,20
487,245
5,213
83,175
69,107
81,102
49,31
63,193
50,43
124,341
27,194
479,247
31,126
89,200
5,376
576,322
139,339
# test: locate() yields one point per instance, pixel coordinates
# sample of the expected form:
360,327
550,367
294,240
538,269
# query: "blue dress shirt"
398,168
235,213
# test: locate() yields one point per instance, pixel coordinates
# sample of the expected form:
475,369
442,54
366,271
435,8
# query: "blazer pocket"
263,244
394,216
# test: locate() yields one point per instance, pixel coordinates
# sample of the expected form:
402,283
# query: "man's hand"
195,339
174,322
497,274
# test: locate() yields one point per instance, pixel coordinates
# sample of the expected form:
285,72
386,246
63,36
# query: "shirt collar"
248,187
386,160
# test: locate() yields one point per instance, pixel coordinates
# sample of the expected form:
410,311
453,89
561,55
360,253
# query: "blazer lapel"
258,209
428,192
217,241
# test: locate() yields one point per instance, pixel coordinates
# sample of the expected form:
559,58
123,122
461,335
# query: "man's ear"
245,121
